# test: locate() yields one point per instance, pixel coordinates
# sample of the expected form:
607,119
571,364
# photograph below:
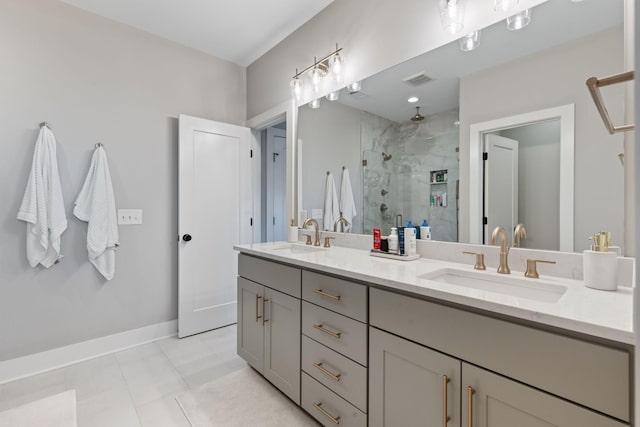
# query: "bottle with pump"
393,241
292,232
600,267
410,225
425,230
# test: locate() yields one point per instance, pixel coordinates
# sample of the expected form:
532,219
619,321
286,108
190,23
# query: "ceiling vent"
417,80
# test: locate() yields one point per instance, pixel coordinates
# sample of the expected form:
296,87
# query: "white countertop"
602,314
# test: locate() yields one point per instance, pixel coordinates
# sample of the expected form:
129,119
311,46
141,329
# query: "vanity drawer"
344,335
590,374
327,407
340,374
276,276
341,296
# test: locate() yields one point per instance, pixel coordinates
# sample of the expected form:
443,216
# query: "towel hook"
344,167
43,124
99,144
328,173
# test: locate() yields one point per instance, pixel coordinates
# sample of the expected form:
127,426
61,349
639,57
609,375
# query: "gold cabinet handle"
445,418
321,328
258,297
327,295
264,313
335,377
470,393
336,420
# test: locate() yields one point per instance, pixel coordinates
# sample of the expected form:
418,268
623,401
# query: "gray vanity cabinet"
269,322
411,385
494,401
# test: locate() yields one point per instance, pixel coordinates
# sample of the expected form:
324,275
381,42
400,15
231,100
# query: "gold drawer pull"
335,377
328,332
445,418
336,420
258,297
470,393
327,295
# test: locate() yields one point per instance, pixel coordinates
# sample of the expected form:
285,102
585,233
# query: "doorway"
273,142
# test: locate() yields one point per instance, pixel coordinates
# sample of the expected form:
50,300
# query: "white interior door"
276,184
215,205
500,185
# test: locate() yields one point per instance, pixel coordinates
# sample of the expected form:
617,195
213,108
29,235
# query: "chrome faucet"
519,233
315,223
498,233
344,222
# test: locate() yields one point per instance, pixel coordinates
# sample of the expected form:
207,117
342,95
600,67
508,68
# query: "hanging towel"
96,205
331,204
42,206
347,203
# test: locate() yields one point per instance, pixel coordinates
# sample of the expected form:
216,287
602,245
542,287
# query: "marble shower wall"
416,149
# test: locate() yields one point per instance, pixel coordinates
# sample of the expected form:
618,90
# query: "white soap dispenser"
292,232
600,267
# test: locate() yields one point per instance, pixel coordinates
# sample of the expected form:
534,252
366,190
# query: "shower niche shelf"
438,177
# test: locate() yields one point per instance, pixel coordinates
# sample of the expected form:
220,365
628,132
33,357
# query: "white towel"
42,205
331,210
347,203
96,205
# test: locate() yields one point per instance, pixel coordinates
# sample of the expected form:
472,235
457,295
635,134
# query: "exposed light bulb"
452,15
354,87
296,88
470,41
335,65
519,20
333,96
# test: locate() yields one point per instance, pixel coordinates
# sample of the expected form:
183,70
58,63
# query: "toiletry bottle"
401,247
600,267
393,241
292,232
410,241
410,225
376,239
425,230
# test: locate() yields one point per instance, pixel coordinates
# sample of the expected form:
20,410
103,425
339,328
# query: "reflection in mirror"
425,169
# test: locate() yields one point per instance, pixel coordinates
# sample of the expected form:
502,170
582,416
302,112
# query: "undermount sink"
294,249
532,289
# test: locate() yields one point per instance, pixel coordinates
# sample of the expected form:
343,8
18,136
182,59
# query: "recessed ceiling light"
413,99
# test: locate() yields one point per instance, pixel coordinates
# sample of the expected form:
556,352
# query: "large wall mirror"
562,177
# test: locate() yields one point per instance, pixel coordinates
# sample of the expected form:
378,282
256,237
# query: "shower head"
418,117
386,156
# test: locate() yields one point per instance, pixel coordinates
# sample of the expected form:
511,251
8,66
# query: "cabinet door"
282,342
494,401
250,329
407,384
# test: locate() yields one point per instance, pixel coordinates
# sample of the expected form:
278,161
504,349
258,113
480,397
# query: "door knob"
186,237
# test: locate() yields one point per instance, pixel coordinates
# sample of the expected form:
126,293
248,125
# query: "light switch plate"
129,216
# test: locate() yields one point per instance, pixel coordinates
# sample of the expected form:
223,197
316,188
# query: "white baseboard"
25,366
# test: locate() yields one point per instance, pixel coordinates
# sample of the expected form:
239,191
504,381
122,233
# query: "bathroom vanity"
357,341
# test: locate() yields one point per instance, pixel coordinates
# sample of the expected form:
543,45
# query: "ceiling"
552,23
239,31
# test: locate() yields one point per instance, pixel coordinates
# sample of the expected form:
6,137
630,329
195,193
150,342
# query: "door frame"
271,133
566,114
284,112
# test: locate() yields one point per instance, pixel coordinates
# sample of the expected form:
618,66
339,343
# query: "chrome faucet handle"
326,241
479,265
308,236
532,271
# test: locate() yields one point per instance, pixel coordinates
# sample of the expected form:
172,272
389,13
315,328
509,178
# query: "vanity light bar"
594,84
323,63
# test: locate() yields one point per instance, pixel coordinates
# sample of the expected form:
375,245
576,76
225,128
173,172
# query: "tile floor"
135,387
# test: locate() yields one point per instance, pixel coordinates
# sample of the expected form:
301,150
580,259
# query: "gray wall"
549,79
538,182
330,139
96,80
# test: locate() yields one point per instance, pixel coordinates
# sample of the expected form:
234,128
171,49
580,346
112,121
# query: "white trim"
566,113
60,357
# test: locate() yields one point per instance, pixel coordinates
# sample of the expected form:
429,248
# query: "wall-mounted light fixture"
331,65
452,15
519,20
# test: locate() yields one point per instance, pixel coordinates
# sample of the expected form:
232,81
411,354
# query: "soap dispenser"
292,232
600,267
425,230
